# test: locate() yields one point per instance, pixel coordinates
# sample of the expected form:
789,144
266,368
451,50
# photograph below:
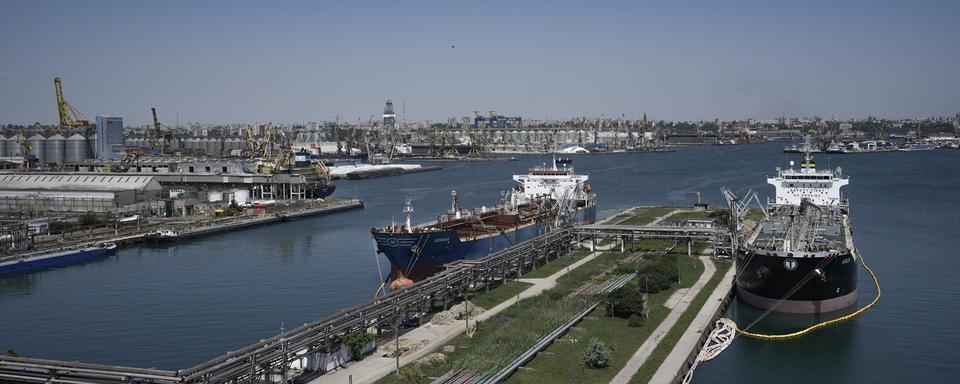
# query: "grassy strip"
681,216
499,294
666,345
563,365
498,340
513,331
646,215
557,264
755,214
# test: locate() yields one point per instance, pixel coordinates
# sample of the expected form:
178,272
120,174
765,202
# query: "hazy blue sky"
293,62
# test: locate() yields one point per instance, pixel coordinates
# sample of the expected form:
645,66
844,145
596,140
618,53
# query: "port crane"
70,118
25,150
125,162
719,125
161,135
336,135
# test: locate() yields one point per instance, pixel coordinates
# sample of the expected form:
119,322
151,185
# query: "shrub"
625,301
61,226
597,355
356,342
636,320
89,219
657,273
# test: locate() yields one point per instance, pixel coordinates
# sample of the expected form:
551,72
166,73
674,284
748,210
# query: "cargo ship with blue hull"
801,258
543,199
35,261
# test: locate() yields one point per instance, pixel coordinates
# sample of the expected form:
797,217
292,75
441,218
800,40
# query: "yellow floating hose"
814,327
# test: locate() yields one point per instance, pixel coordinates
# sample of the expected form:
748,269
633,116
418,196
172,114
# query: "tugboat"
544,199
801,258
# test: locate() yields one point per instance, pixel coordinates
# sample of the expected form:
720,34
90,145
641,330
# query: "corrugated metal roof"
68,182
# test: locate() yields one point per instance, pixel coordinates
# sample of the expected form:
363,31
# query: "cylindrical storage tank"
3,146
75,149
211,146
13,146
53,149
92,147
38,147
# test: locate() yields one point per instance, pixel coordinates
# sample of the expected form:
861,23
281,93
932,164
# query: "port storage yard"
185,229
576,263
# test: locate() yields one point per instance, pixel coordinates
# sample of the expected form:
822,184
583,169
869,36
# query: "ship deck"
805,228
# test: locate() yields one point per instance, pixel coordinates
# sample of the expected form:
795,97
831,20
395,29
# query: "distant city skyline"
227,62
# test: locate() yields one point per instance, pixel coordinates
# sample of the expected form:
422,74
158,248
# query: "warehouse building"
33,194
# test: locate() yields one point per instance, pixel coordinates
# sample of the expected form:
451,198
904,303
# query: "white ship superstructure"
558,183
819,187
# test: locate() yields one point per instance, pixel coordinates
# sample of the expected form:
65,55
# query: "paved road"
671,366
643,353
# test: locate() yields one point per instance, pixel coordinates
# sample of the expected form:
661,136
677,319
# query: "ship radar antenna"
408,210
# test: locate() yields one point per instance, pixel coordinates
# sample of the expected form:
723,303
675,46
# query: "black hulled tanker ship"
542,200
801,257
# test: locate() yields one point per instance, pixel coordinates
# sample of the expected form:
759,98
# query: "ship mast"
408,210
455,205
808,165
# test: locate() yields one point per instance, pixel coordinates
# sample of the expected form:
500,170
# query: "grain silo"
13,146
38,147
75,149
92,147
3,146
53,149
213,147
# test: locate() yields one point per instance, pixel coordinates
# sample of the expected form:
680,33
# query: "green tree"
625,301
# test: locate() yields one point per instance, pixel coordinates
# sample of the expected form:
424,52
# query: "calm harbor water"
175,306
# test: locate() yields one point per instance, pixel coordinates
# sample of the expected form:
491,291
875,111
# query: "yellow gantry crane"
69,117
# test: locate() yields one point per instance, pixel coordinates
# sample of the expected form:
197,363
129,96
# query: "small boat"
163,235
911,147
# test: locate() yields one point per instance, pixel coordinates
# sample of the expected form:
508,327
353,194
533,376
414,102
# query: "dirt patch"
455,313
389,349
431,359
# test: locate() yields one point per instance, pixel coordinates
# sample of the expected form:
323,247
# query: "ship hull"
419,255
33,263
321,190
763,280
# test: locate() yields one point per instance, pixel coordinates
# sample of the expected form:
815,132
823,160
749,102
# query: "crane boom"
69,117
161,135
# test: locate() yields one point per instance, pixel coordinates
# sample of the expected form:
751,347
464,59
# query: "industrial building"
110,144
38,194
